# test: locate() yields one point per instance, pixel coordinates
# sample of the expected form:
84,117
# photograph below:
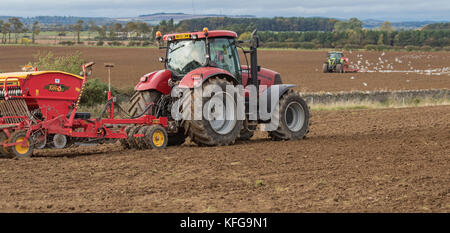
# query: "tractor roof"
200,35
23,75
335,52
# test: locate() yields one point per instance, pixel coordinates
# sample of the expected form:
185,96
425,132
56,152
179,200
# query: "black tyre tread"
131,140
140,141
201,132
13,139
283,133
124,141
140,100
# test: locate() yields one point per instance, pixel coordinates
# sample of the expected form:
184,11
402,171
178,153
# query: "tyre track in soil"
384,160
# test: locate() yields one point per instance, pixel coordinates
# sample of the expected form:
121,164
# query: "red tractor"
210,58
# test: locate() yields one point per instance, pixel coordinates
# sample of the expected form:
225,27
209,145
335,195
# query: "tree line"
278,32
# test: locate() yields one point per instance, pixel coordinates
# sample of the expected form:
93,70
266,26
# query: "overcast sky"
394,10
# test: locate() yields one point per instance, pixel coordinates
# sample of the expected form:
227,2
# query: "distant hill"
373,23
177,17
155,18
63,20
437,26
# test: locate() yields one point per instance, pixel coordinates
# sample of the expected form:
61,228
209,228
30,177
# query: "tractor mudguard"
158,80
265,97
200,75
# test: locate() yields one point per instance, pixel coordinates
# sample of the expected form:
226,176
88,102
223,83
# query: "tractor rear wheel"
293,118
325,68
140,100
20,150
339,68
222,126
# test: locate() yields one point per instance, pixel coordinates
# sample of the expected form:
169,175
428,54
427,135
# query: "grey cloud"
376,9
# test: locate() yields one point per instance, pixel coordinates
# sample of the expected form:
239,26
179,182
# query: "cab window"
224,55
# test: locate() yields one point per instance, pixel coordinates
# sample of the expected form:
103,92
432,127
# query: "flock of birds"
386,66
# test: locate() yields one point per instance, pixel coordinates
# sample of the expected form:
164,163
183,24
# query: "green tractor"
336,62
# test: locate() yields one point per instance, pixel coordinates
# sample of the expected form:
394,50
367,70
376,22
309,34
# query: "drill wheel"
124,141
156,137
131,140
140,141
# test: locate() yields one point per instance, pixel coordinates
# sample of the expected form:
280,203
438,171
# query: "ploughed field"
390,160
399,70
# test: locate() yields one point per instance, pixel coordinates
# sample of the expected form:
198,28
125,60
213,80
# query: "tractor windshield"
184,56
336,56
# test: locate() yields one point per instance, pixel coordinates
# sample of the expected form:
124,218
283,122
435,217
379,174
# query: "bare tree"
6,30
91,28
17,27
78,27
35,30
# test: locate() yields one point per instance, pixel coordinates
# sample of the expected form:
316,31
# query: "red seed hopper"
39,109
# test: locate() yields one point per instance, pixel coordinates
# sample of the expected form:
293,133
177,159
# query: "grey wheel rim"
294,116
221,120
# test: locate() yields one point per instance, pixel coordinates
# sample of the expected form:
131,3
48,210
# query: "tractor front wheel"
293,118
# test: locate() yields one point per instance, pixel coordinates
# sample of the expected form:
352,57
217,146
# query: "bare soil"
303,68
383,160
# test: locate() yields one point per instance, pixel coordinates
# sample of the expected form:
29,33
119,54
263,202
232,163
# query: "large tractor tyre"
222,129
141,99
293,118
325,68
339,68
4,151
20,150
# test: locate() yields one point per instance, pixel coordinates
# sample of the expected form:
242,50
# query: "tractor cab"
336,56
186,52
